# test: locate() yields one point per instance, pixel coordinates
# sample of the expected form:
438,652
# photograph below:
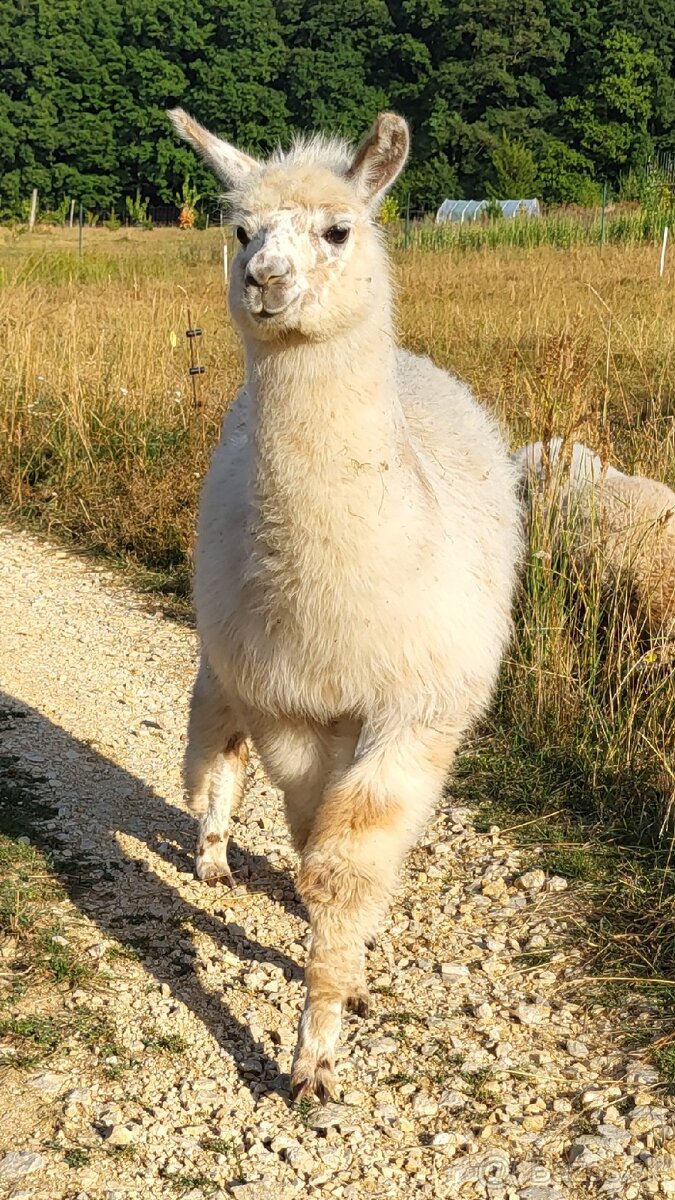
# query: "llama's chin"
294,321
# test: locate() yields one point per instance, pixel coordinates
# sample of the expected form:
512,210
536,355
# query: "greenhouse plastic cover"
468,210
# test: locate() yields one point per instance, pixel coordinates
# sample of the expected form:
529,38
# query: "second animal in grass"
623,524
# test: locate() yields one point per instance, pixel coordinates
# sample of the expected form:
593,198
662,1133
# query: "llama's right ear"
380,158
229,164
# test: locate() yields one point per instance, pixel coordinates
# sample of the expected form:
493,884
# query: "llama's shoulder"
447,419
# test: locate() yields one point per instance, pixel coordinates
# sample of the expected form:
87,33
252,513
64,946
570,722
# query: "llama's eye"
242,236
337,235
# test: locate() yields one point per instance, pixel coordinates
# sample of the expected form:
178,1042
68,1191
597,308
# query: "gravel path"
476,1075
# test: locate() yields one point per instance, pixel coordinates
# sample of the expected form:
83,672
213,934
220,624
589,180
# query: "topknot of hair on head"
316,150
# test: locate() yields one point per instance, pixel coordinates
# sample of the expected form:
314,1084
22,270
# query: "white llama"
355,560
624,523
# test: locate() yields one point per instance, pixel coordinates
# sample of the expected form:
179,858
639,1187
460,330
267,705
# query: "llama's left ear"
380,158
231,165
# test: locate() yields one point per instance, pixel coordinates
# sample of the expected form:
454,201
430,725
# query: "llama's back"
548,462
626,523
634,530
463,452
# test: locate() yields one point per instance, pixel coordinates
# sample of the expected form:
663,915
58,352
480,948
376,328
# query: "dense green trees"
560,94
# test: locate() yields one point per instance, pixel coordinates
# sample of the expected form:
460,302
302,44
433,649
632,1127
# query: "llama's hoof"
358,1003
213,877
312,1079
211,865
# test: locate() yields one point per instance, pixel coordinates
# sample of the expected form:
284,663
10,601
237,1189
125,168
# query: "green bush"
566,177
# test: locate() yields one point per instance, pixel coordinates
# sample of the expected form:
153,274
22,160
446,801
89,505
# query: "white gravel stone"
532,1014
451,971
424,1106
18,1163
556,884
123,1134
48,1082
532,881
641,1073
576,1049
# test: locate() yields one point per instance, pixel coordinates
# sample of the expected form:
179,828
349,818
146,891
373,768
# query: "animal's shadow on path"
99,882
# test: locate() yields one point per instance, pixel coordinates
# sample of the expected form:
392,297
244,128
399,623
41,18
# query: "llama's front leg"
367,821
215,773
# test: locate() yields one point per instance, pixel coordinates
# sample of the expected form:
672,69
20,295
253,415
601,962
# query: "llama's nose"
265,269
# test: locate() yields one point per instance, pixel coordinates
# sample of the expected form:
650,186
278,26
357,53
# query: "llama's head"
311,261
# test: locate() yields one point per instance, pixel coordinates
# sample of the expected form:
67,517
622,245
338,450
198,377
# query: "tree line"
523,97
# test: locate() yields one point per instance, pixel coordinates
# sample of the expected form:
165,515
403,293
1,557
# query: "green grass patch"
77,1158
170,1043
181,1184
26,1041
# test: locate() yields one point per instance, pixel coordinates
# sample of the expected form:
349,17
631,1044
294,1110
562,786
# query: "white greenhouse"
470,210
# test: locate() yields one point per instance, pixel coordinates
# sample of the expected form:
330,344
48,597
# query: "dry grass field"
101,443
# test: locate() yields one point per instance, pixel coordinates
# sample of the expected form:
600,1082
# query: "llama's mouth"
276,304
268,314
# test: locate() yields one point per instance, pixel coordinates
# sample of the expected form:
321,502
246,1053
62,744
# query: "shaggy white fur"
356,552
624,523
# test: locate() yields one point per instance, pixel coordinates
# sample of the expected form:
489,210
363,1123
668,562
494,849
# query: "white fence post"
33,209
664,243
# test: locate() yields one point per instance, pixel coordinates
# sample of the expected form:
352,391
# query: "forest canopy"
546,97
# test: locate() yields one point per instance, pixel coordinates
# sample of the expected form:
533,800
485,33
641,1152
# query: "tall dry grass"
100,441
100,437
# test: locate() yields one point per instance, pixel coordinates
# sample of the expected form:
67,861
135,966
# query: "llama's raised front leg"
366,822
214,772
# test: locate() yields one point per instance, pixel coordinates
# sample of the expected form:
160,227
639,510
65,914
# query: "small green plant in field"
190,1183
664,1060
172,1043
137,210
77,1158
401,1021
124,1152
388,211
221,1146
25,1041
476,1082
305,1108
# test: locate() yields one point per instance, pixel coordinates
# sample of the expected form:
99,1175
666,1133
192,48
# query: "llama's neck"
327,422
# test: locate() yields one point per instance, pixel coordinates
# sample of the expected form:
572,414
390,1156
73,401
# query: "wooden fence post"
33,209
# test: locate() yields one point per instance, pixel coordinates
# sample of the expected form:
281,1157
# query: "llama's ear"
229,164
380,158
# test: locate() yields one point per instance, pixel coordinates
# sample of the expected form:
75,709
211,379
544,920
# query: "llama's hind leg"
366,822
214,772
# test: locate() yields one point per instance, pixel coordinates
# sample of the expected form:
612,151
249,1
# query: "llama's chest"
296,645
